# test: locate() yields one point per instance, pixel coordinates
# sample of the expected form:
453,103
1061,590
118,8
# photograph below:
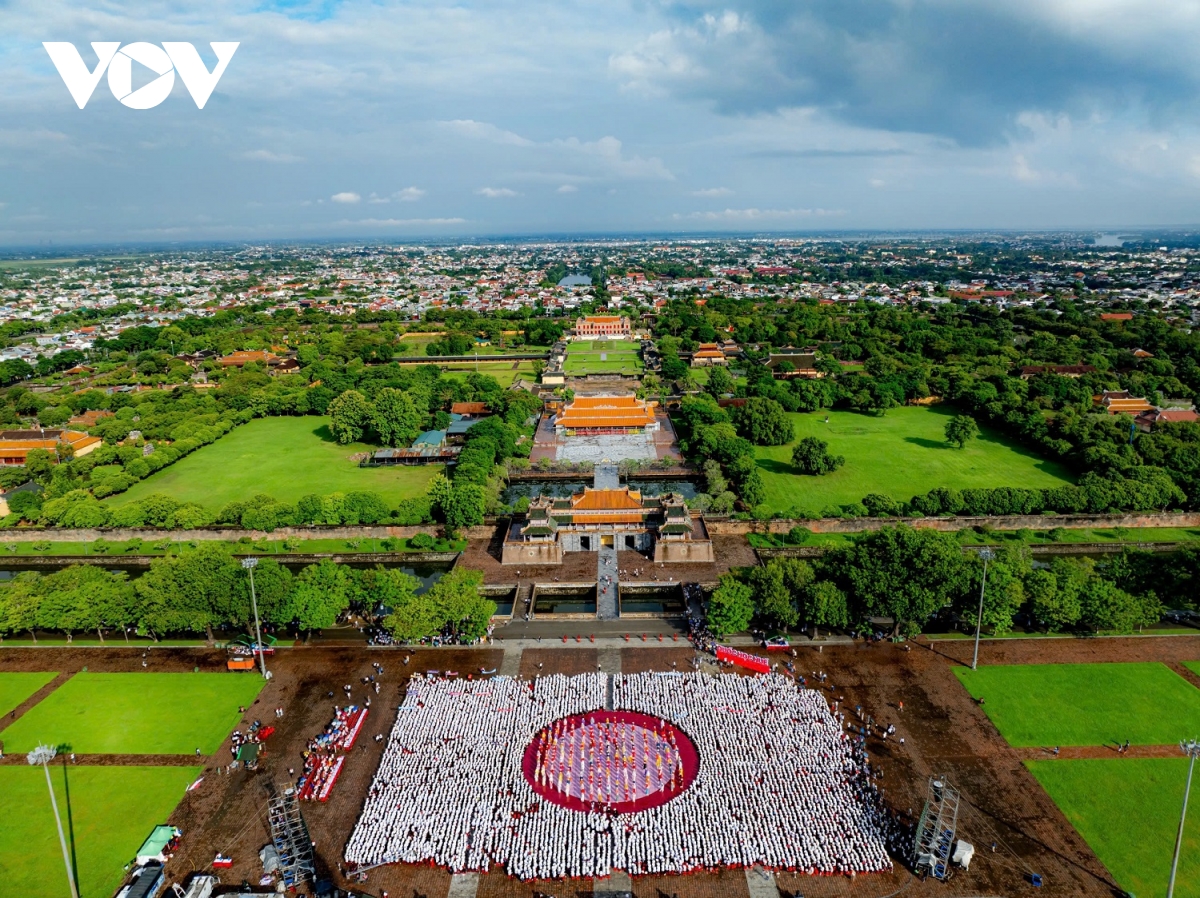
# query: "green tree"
822,604
320,594
774,603
40,465
731,607
763,422
720,381
463,505
812,456
961,429
1057,609
190,592
84,597
395,418
349,416
19,604
1005,592
901,572
452,607
272,590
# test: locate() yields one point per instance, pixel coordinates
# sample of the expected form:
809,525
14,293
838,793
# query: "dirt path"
19,711
123,760
1078,752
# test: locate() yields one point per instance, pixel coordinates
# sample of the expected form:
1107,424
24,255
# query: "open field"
901,454
285,458
504,372
110,811
16,687
148,713
603,357
1086,704
1128,810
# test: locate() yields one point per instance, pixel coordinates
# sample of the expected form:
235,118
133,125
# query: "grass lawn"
1128,811
583,346
282,457
504,372
131,713
117,549
110,812
901,454
16,687
603,357
1086,704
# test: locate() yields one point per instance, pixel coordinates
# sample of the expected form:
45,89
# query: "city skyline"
406,121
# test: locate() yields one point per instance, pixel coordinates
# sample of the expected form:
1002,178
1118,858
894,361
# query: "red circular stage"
619,761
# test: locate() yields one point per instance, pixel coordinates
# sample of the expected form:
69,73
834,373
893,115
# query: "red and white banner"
743,659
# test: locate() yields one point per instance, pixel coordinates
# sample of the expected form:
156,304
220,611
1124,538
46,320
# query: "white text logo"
164,61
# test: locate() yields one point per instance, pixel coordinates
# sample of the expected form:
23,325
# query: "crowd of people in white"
779,783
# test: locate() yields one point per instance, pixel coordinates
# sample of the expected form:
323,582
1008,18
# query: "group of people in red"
324,754
609,760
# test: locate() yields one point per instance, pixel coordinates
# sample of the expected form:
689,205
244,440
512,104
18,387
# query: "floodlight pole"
249,564
43,755
987,555
1190,748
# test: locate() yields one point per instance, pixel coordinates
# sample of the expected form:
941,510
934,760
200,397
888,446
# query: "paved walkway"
607,603
463,885
761,883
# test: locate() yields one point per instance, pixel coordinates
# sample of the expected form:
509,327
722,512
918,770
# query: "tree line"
912,576
206,589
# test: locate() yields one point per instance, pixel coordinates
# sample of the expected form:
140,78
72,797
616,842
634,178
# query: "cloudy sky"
406,119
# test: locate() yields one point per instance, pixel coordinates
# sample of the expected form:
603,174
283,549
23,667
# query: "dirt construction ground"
944,732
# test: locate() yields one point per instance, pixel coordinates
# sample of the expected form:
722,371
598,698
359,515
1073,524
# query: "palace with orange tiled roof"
1117,402
589,415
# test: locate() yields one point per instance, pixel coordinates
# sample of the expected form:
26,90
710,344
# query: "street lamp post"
43,755
1191,748
249,564
987,555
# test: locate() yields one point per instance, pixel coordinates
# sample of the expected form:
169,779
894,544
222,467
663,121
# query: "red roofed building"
593,326
1147,421
1117,316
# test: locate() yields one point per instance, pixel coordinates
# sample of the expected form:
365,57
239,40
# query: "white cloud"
752,214
485,131
345,197
567,188
494,193
270,156
606,152
713,191
400,222
407,195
